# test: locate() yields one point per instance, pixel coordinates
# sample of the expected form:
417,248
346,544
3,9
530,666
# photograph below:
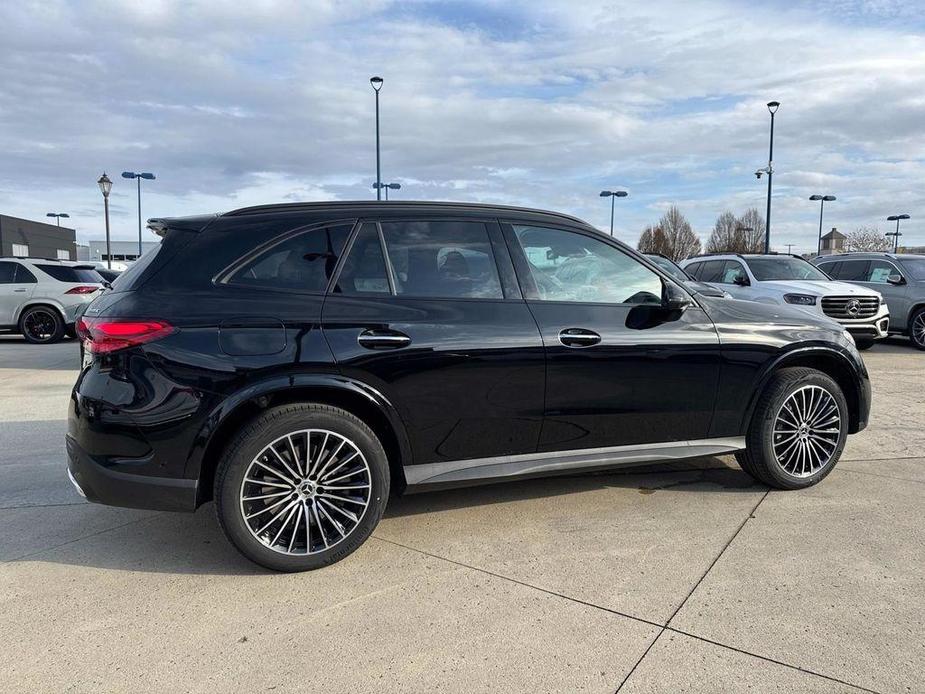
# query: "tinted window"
364,270
712,271
915,267
66,273
442,259
669,267
7,272
302,262
125,279
24,275
567,266
694,270
880,270
831,269
852,271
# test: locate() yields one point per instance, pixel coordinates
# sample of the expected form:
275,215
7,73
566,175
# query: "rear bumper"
98,482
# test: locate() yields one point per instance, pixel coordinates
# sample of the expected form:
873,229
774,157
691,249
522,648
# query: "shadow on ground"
178,543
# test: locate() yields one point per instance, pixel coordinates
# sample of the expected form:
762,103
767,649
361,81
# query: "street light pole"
895,234
138,177
612,194
376,83
58,216
823,199
772,108
386,186
105,185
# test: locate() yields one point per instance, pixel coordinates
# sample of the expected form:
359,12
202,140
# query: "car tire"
286,454
917,328
798,430
864,343
41,325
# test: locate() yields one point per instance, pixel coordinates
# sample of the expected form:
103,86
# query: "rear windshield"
784,268
124,281
67,273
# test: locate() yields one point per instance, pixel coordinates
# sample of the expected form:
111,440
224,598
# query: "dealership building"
23,237
122,251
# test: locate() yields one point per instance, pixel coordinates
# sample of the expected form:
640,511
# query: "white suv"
40,298
779,279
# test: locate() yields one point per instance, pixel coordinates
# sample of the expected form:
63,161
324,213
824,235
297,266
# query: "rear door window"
852,271
442,259
7,272
712,271
694,270
301,262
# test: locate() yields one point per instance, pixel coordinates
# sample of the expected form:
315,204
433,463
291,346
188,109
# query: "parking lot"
680,577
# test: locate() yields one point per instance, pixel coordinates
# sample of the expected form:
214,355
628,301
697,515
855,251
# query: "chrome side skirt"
513,466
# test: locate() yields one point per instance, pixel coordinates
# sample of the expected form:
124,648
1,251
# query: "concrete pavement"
683,577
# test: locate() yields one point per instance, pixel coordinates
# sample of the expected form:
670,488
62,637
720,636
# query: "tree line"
673,237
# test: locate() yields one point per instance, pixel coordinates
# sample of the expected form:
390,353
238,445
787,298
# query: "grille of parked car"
850,307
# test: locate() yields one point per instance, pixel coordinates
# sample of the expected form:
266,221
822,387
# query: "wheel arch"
356,397
827,360
47,303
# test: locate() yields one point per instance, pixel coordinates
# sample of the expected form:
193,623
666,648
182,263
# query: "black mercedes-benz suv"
297,363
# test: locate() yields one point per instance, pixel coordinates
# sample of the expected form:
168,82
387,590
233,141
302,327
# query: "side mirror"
741,280
896,279
674,298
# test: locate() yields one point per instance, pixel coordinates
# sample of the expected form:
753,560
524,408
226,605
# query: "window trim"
521,266
223,277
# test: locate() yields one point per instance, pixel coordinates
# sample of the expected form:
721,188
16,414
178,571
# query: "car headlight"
800,299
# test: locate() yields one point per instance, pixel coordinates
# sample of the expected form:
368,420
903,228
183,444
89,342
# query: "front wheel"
798,430
301,487
41,325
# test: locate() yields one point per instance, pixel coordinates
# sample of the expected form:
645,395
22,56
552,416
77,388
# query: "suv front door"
895,295
621,369
16,287
428,311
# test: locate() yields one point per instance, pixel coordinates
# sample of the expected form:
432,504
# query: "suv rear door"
621,369
428,311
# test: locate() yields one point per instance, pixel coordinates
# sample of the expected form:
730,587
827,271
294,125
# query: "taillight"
102,336
81,290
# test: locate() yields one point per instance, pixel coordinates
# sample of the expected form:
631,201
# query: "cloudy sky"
534,103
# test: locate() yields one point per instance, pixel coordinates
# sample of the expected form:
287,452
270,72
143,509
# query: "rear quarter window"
67,273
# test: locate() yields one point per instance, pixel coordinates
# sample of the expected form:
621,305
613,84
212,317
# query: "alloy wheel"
40,324
807,431
918,329
306,492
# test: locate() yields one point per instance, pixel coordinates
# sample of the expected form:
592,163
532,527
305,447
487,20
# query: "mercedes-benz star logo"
853,307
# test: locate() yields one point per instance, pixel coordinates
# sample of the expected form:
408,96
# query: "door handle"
383,339
19,290
578,337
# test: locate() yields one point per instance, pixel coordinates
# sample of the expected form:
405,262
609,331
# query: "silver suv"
899,277
777,278
40,298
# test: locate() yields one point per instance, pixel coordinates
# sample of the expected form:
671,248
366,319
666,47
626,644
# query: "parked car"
677,273
297,363
39,297
900,278
787,279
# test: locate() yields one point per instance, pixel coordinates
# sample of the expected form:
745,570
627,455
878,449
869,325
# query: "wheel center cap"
306,490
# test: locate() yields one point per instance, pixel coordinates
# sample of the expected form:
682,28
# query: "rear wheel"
798,430
301,487
41,325
917,328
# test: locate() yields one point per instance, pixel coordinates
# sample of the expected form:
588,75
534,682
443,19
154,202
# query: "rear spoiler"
161,225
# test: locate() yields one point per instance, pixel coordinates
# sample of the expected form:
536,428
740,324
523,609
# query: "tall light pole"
769,170
386,186
138,177
895,234
823,199
105,186
613,194
58,216
376,83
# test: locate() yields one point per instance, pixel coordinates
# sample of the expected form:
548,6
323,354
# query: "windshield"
915,267
784,268
669,267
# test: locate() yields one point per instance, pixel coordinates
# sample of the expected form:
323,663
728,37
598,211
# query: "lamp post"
613,194
769,170
105,185
823,199
58,216
386,186
376,83
138,177
895,234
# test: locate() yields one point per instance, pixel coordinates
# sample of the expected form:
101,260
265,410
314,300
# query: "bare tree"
744,234
867,239
672,237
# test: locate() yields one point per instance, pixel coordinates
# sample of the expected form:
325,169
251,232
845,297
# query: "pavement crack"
13,508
